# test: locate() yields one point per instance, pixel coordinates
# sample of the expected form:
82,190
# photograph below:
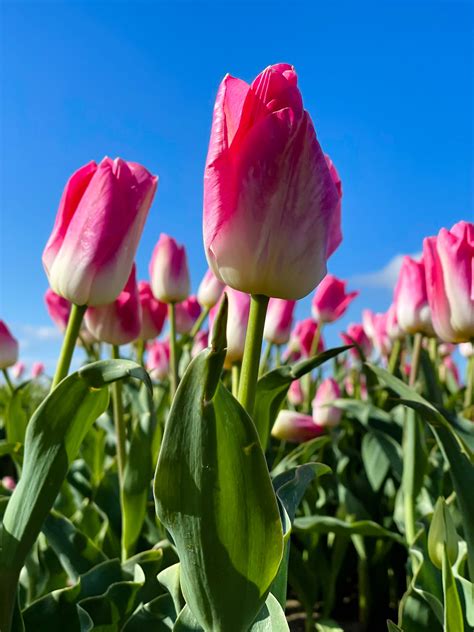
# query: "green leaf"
273,387
271,617
392,627
453,617
375,459
16,419
155,616
53,437
76,552
301,454
214,494
327,524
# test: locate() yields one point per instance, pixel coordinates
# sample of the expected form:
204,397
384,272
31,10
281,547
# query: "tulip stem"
394,360
235,378
173,350
8,381
415,359
120,437
265,358
197,325
253,347
312,352
278,356
141,346
69,343
469,394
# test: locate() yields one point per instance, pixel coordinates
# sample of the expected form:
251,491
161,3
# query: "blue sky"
388,84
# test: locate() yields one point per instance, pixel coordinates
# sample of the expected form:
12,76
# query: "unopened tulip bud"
449,266
302,338
330,301
210,290
8,482
158,359
169,272
442,534
295,427
279,321
187,314
8,347
355,334
18,369
466,349
37,369
200,342
411,298
153,312
375,326
89,255
271,202
295,393
120,322
324,414
58,308
237,320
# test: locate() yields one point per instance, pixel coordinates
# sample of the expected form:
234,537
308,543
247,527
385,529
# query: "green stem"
8,381
141,346
278,356
235,378
394,359
69,343
415,359
120,436
253,347
8,582
173,350
469,394
265,358
197,325
309,376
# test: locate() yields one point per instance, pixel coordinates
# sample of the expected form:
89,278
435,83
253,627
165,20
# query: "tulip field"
213,465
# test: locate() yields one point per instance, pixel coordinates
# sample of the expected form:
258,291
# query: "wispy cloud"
39,332
386,277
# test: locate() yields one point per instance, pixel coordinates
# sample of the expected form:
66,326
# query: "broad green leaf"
375,459
272,389
155,616
16,419
170,579
328,626
392,627
300,455
214,494
327,524
76,552
52,440
271,618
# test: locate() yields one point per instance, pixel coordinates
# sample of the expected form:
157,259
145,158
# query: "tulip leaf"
453,617
392,627
328,524
53,437
272,389
214,494
376,462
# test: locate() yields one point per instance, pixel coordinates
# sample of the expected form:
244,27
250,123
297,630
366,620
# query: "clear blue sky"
389,86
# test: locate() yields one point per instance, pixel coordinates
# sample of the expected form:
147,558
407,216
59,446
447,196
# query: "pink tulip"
330,300
8,482
392,327
187,314
449,266
302,338
153,312
158,359
120,322
411,298
89,255
200,342
169,272
18,369
279,321
349,386
375,326
37,369
8,347
445,348
58,308
324,414
295,393
270,200
466,349
448,364
356,334
295,427
210,290
237,319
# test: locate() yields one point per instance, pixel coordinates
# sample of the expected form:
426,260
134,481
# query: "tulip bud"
18,369
295,393
37,369
330,300
356,334
392,327
442,534
210,290
323,413
375,326
153,312
120,322
295,427
279,321
200,342
58,308
271,203
302,338
169,272
8,347
466,349
237,319
411,298
8,482
90,253
187,314
158,359
449,266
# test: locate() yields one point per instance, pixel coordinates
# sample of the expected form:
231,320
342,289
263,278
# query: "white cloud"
40,332
386,278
